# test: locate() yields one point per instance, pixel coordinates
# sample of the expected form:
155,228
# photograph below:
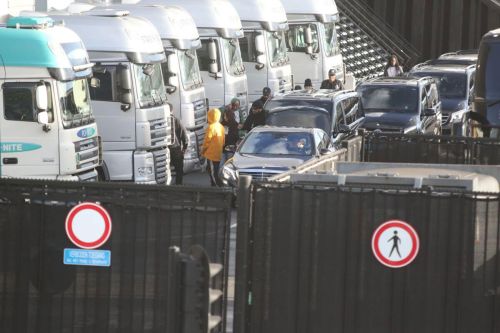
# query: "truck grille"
87,153
161,132
200,112
161,160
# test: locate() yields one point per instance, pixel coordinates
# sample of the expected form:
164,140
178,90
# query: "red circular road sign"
88,225
395,244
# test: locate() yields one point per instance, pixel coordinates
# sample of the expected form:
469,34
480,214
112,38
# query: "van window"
19,102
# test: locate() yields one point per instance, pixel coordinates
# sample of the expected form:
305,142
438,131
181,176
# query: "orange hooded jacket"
214,137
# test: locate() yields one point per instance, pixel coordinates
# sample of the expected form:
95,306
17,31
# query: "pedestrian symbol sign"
395,244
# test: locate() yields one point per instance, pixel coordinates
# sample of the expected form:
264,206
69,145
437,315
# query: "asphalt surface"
202,179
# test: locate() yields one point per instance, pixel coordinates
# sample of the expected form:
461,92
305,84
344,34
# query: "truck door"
256,73
27,147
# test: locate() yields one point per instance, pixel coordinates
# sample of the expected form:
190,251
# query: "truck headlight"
145,171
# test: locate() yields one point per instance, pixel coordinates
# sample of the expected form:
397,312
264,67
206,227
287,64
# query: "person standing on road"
213,145
232,135
177,150
256,116
266,94
332,82
308,84
393,68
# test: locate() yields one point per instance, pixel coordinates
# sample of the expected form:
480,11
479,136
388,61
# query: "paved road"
201,179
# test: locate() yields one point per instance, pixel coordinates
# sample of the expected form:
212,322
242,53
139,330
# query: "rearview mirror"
124,75
41,97
43,117
429,112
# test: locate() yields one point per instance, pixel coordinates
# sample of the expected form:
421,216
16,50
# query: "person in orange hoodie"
213,145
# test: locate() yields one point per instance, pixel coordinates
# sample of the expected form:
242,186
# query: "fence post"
241,290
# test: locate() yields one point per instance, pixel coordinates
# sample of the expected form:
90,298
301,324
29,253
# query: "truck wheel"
103,173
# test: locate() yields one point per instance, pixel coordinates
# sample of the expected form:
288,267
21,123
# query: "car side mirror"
230,148
429,112
43,117
42,102
324,151
343,128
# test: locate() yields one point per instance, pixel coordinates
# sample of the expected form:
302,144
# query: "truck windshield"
331,42
492,72
276,47
190,71
389,99
150,87
75,103
232,54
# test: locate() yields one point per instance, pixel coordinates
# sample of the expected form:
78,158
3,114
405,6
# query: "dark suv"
335,112
456,90
401,105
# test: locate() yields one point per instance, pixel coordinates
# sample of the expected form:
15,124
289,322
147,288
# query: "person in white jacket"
393,68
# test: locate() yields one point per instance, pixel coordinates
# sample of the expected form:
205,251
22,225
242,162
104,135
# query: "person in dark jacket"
232,135
256,116
308,84
177,150
332,82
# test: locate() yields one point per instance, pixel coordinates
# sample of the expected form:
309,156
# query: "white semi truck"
130,103
219,57
312,42
47,129
263,49
181,73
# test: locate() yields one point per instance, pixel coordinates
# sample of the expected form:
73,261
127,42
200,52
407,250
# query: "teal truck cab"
47,129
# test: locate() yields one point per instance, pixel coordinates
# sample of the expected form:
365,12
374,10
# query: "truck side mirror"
260,45
126,98
213,67
43,117
42,102
124,76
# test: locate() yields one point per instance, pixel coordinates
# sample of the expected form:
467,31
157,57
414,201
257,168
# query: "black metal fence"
399,148
38,293
305,261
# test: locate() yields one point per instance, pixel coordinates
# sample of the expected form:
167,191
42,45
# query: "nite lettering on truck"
18,147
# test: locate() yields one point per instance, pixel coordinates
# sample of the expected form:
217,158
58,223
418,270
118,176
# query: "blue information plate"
81,257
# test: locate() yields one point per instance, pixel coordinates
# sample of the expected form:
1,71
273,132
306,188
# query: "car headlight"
229,174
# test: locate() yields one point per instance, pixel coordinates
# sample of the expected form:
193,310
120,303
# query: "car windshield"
190,71
451,85
331,42
277,48
75,103
300,117
492,72
232,55
278,143
389,99
150,87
